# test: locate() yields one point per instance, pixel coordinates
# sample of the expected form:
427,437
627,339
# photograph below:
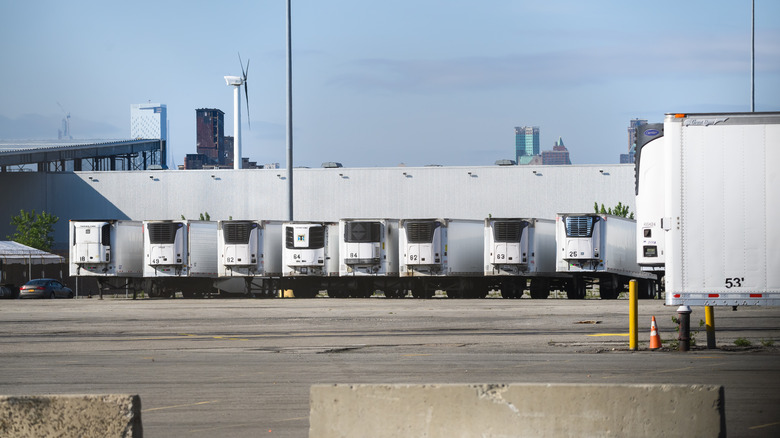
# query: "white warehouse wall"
319,194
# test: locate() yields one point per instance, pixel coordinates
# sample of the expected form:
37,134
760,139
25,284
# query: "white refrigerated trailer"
180,255
519,250
250,251
368,258
599,247
442,254
650,187
310,257
713,221
109,250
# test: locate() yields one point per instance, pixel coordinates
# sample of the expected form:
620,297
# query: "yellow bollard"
709,320
633,315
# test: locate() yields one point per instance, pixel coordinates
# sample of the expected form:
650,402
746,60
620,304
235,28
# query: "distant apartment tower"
149,120
210,134
227,153
558,156
526,143
633,126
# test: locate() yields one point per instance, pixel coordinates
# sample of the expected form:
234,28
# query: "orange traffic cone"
655,340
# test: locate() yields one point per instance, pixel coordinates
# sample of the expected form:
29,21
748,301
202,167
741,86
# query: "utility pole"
289,116
753,59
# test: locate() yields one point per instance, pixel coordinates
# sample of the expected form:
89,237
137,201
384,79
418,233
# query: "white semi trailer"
180,255
650,188
442,254
518,250
250,250
599,247
109,250
310,257
368,258
710,227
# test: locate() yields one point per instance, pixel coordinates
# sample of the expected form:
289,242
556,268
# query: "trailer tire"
422,293
305,292
420,289
454,294
337,293
512,290
540,288
480,292
609,287
575,289
646,289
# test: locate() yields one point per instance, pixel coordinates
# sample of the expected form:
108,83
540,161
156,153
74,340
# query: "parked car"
45,288
9,291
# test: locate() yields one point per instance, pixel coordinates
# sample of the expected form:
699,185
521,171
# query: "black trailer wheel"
511,290
395,293
646,289
479,292
158,291
457,293
417,288
338,293
364,288
609,287
540,288
420,291
305,292
575,289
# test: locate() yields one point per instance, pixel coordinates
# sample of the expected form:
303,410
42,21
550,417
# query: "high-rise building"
559,155
227,153
149,120
526,143
632,130
210,134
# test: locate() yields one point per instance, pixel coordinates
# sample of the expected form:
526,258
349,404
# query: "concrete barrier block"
110,415
516,410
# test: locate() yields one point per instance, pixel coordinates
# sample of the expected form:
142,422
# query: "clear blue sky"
382,83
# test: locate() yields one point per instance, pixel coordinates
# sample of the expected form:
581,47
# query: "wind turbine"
237,81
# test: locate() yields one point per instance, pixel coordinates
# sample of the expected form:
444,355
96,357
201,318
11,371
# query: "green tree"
618,210
34,229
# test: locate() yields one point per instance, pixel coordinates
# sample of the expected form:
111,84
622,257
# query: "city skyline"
447,89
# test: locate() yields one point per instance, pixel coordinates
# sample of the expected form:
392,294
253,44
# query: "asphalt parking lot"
243,367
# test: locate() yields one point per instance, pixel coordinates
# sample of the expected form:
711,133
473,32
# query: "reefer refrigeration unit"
110,250
180,255
250,250
368,257
601,247
722,198
442,254
650,192
310,256
519,249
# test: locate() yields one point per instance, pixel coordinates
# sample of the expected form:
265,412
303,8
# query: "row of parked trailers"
358,257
